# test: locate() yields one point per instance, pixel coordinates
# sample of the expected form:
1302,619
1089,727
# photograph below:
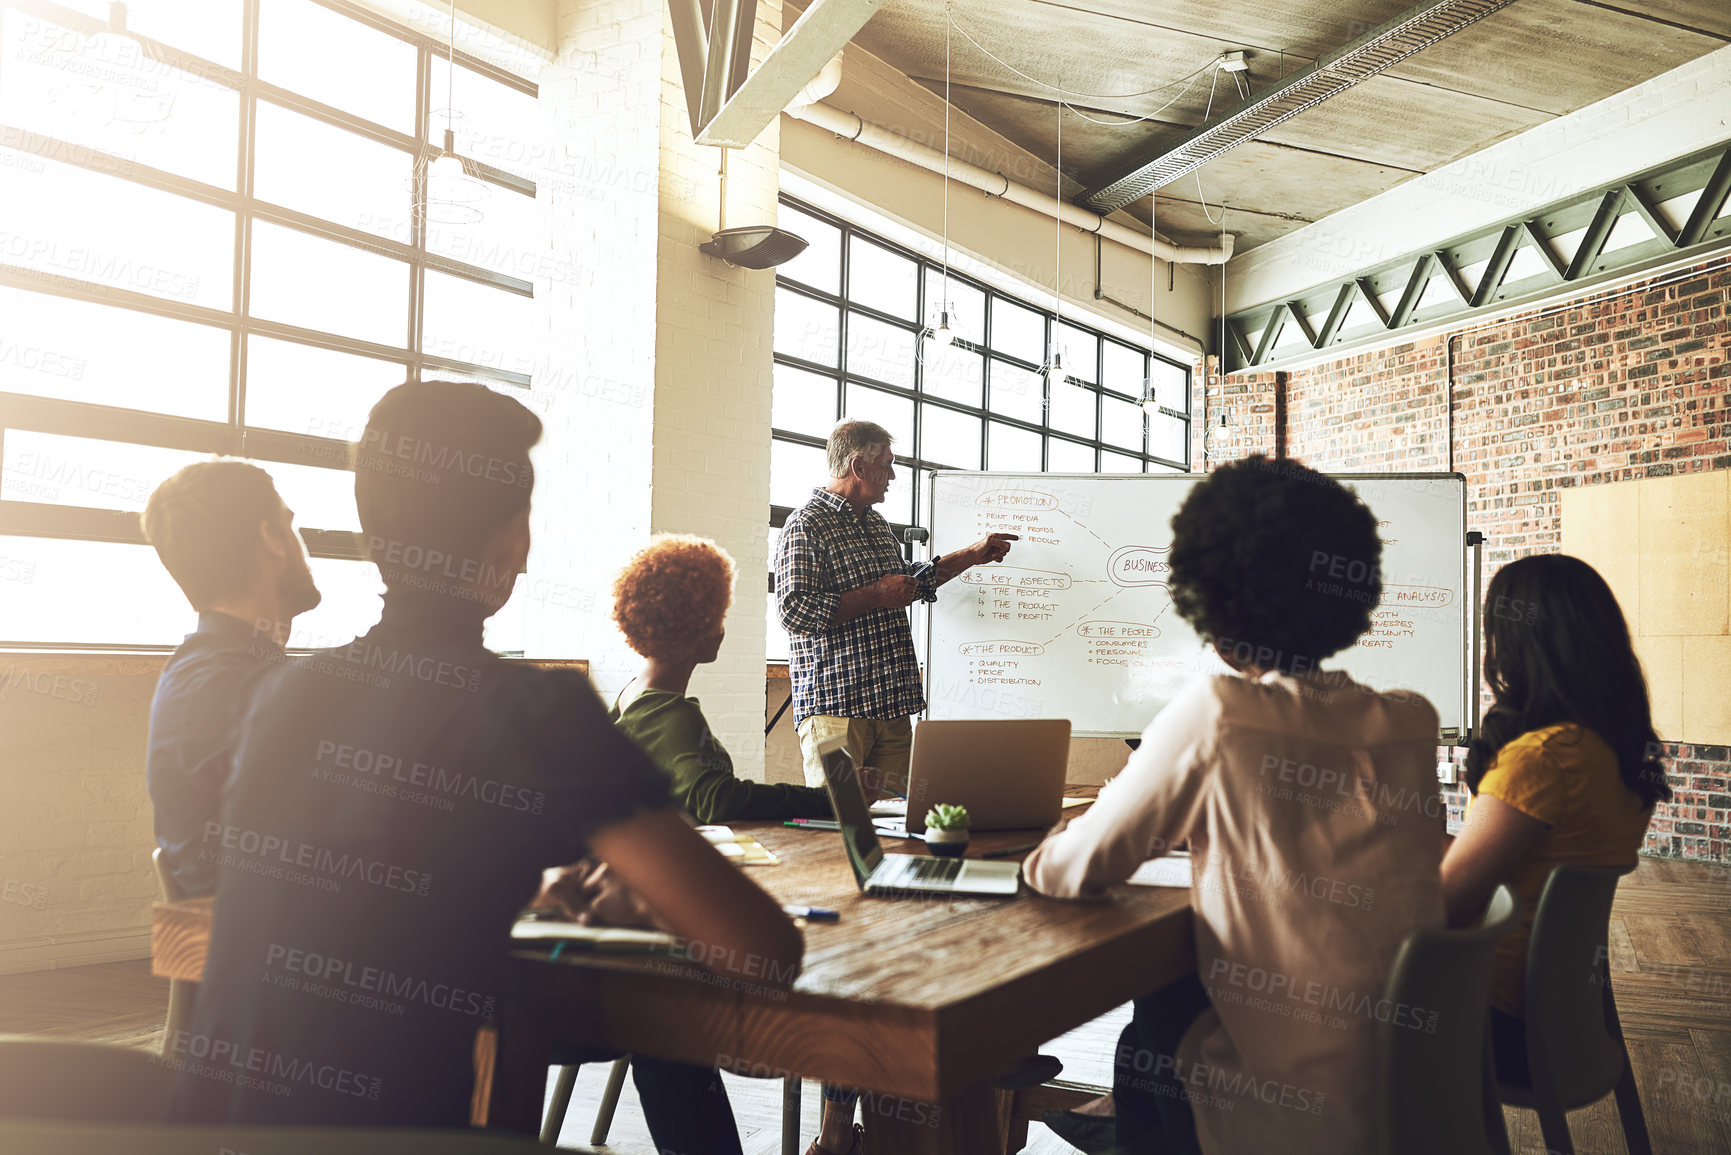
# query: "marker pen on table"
811,913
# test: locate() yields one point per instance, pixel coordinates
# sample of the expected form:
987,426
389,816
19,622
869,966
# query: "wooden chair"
567,1080
181,992
90,1082
1446,974
1575,1049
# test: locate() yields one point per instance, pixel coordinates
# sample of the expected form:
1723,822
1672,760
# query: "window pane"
1073,409
1081,351
949,438
794,471
967,306
1068,457
820,264
337,61
300,279
1125,368
1122,423
1018,393
104,93
1119,463
71,595
1173,382
297,155
352,602
806,328
304,389
207,28
952,372
467,321
1166,437
320,498
803,402
1012,449
494,122
142,240
49,347
507,239
52,469
894,413
880,279
880,351
1017,331
898,503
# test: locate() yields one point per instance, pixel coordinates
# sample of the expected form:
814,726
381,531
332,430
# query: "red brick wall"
1624,384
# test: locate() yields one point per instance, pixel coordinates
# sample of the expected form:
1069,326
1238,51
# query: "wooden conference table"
921,1003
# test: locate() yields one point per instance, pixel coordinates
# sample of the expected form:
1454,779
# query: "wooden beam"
800,55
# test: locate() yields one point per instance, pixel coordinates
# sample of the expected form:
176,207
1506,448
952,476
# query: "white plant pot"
947,843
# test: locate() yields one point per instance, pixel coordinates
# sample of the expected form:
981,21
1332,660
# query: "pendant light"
1150,386
944,336
1055,375
453,190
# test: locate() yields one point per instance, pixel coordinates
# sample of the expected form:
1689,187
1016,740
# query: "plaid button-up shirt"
865,668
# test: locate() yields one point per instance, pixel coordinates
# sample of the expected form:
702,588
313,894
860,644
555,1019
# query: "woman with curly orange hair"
670,602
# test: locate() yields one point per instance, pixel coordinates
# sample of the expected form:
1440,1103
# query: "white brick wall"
712,387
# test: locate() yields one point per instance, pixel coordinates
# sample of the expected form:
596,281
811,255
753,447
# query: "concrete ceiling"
1519,67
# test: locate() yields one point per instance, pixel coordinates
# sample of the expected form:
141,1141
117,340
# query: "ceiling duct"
1412,31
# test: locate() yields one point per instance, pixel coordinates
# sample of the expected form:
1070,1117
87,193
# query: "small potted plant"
947,830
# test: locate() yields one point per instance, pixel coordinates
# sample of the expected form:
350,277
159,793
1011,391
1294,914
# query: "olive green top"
672,730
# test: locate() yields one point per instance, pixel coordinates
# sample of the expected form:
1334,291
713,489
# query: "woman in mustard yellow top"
1565,767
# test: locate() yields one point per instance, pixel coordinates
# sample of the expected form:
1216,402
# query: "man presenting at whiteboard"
842,589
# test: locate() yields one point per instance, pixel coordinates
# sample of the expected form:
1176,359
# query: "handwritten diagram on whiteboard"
1078,622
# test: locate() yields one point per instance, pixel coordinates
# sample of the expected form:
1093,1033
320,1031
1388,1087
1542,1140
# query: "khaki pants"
879,743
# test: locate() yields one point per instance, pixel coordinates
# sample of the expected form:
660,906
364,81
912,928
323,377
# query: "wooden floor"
1670,958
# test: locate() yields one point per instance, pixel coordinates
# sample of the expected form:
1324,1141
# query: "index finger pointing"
1009,536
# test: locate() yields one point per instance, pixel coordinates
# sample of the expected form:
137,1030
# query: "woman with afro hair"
670,601
1310,807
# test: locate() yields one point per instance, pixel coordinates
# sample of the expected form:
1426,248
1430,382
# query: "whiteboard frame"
1446,735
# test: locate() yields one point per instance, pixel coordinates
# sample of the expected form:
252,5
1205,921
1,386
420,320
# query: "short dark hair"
203,522
1274,563
441,467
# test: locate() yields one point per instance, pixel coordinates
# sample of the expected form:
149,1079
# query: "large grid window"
210,245
853,320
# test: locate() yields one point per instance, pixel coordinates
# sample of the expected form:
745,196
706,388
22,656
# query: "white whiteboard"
1076,623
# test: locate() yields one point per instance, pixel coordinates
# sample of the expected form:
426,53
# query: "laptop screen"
847,798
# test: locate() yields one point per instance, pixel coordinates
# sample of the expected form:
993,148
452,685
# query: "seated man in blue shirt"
394,801
229,542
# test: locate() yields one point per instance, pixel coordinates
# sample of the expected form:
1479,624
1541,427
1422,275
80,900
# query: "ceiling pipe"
851,127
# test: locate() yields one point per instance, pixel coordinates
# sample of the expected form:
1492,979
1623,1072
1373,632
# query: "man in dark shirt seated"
392,806
229,542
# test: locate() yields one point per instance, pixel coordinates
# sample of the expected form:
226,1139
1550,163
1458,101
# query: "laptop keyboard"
929,870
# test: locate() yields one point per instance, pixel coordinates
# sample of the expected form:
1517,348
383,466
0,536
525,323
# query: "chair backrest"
57,1137
1574,1041
1431,1046
165,882
56,1079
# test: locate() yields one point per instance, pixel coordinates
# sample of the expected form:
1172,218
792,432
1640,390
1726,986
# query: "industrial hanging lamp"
1055,375
452,190
944,335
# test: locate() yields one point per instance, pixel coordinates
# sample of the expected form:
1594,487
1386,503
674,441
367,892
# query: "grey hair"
851,438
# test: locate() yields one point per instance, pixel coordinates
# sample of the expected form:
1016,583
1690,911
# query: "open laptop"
1009,774
881,874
